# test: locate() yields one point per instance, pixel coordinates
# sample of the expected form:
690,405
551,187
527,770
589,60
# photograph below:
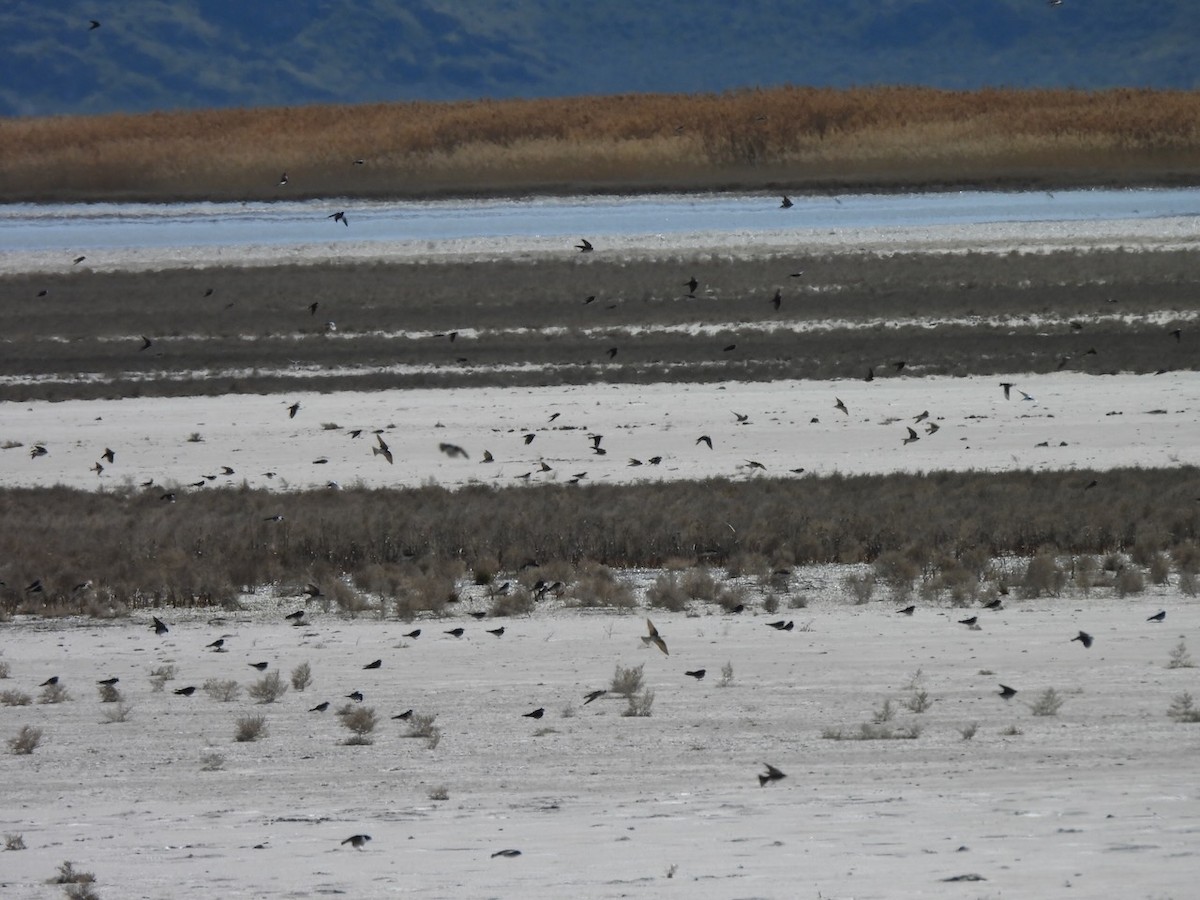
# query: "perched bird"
536,714
870,376
457,632
696,673
186,691
1158,616
320,707
218,645
507,854
908,610
414,634
49,682
357,841
705,439
969,622
109,682
356,696
275,518
786,202
1007,693
656,639
781,625
160,627
584,246
593,695
38,450
742,418
1084,638
773,774
261,666
312,590
404,716
498,632
840,405
339,217
293,409
377,664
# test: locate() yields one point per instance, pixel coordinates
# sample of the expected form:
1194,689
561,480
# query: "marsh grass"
1179,657
868,731
302,676
640,705
110,693
880,136
1182,708
14,698
54,693
25,741
626,680
249,728
222,690
361,720
14,842
1047,703
112,715
268,689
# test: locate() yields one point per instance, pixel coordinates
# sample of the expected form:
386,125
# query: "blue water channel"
80,227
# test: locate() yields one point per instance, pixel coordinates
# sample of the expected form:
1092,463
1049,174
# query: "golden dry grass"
791,138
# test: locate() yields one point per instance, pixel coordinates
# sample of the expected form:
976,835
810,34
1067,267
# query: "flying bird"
840,405
357,841
374,665
283,179
312,307
339,217
691,284
38,450
1177,333
786,202
777,299
160,627
293,409
320,707
921,417
382,450
109,455
773,774
507,854
1007,693
912,436
146,342
453,450
1008,386
356,696
1084,638
593,695
77,260
487,457
49,682
704,438
655,638
1158,616
261,666
584,246
528,438
93,24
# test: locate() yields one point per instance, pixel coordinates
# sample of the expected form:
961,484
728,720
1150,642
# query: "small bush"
1160,568
110,693
1189,583
885,713
14,698
698,584
968,731
1012,731
770,604
869,732
1047,703
250,728
1180,659
268,689
160,676
359,719
918,702
1130,580
640,705
54,693
666,593
302,676
517,602
731,596
81,892
211,761
68,875
626,681
3,669
726,675
439,793
26,741
1043,577
1182,708
597,586
14,842
421,725
222,690
898,572
116,714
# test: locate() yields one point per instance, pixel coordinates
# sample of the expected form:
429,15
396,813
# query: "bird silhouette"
414,634
656,639
777,299
283,179
1158,616
293,409
312,590
907,611
160,627
536,714
261,666
1177,333
382,450
186,691
478,616
404,716
840,405
870,376
899,365
320,707
994,605
742,418
912,436
457,632
705,439
931,427
781,625
728,347
109,682
146,342
49,682
357,841
593,695
356,696
773,774
377,664
312,307
498,632
786,202
696,673
339,217
93,24
584,246
507,854
1006,692
77,260
38,450
921,417
218,645
969,621
1008,386
1084,638
97,468
691,284
487,457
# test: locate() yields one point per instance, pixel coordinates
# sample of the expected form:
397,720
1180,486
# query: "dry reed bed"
135,549
792,136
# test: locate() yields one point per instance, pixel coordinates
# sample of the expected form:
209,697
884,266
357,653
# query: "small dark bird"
912,436
293,409
1091,484
1007,693
728,348
781,625
169,497
109,682
870,376
93,25
655,638
969,622
691,284
487,457
217,645
498,632
78,260
777,299
899,365
840,405
283,179
584,246
1084,638
995,605
377,664
1177,334
320,707
382,450
453,450
593,695
907,611
786,202
1158,616
52,680
931,427
356,696
312,590
357,841
478,616
457,632
696,673
612,352
507,854
1008,386
146,342
705,439
339,217
274,518
186,691
536,714
773,774
34,587
260,666
528,438
654,460
160,627
414,634
109,455
38,450
312,307
404,716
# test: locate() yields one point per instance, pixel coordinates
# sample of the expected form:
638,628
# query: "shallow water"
79,228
